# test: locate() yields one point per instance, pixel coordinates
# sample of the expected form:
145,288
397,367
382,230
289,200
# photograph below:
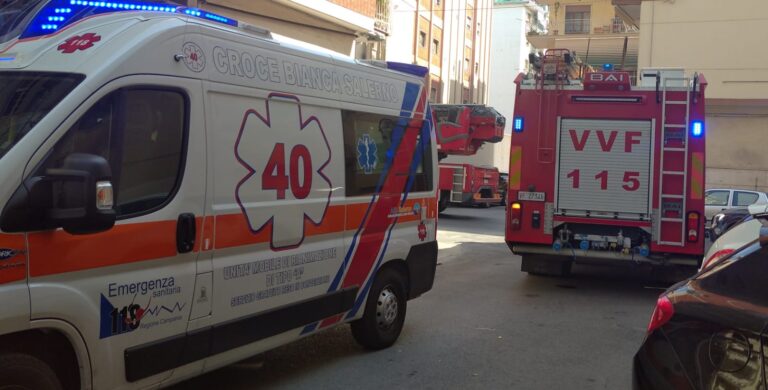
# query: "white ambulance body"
261,193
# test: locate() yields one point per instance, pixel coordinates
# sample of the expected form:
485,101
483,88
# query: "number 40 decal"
631,180
274,177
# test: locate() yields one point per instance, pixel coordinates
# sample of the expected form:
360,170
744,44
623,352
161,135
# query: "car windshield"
25,99
15,15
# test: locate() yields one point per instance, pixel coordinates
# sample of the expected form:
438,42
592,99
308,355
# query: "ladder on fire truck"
457,187
553,71
674,146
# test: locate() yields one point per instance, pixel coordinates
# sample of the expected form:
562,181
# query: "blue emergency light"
697,128
517,124
608,67
60,13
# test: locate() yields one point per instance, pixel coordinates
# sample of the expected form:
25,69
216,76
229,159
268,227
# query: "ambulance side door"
277,166
128,290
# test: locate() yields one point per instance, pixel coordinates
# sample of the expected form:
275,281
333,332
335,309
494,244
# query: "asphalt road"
485,325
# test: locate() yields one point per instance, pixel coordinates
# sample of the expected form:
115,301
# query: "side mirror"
77,197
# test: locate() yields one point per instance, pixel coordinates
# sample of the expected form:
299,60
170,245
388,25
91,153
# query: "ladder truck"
605,172
461,130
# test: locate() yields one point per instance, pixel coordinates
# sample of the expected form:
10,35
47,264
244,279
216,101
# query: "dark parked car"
725,220
709,332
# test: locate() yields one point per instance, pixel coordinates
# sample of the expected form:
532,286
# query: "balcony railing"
577,26
381,21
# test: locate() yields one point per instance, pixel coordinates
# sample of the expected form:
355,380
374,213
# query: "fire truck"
468,185
461,130
603,171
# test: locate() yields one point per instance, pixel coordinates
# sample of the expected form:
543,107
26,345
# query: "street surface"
484,325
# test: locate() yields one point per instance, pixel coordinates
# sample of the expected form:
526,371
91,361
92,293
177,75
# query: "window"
422,39
367,144
15,16
577,19
435,46
141,132
716,198
25,99
743,276
742,198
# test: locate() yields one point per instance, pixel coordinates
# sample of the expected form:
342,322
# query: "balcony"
577,26
381,20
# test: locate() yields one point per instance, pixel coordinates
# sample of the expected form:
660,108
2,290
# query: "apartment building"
598,32
452,38
512,21
726,43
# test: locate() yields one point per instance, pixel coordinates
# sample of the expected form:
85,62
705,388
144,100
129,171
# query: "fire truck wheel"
546,266
384,312
445,199
22,371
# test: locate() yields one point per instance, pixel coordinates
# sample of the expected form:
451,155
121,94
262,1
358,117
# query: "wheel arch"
57,343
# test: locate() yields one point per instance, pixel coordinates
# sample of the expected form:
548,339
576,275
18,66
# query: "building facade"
356,28
725,43
452,38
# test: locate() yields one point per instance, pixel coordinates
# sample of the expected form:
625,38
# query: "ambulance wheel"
20,371
546,266
384,312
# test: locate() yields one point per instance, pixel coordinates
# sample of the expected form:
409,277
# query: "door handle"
186,231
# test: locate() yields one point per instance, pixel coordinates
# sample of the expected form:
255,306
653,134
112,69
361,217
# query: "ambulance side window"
142,133
367,140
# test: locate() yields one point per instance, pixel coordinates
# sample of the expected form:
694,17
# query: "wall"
286,21
726,44
401,40
510,52
363,7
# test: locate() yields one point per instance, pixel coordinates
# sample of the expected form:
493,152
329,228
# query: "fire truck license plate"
534,196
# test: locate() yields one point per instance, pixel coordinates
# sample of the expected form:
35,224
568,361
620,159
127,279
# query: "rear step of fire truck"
674,147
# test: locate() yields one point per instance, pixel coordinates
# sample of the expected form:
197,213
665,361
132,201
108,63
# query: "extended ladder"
457,190
674,148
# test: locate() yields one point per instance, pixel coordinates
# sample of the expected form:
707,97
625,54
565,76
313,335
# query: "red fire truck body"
461,130
468,185
601,170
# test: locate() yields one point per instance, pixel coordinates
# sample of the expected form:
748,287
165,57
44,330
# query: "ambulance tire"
384,312
22,371
539,265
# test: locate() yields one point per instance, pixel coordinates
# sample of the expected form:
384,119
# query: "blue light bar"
209,16
415,70
61,13
517,124
697,128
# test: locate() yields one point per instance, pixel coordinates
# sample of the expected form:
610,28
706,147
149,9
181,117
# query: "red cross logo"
79,42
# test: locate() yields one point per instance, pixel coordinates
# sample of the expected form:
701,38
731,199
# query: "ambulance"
605,172
182,191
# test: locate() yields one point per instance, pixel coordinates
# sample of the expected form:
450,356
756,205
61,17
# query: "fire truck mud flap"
591,256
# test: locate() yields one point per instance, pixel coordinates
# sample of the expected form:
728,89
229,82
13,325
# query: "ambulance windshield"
26,98
15,15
